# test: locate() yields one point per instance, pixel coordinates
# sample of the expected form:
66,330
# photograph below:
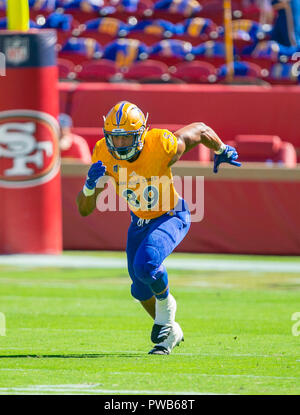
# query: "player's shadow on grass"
72,356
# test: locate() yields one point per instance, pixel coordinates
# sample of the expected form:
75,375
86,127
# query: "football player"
157,226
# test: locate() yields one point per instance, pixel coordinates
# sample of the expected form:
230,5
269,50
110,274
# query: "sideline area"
117,260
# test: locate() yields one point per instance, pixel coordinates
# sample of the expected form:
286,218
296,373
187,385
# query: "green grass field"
80,331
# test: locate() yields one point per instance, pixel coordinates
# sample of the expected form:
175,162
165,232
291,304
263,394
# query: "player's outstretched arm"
86,199
198,133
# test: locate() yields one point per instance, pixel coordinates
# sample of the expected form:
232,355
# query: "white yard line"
94,389
71,389
215,375
69,261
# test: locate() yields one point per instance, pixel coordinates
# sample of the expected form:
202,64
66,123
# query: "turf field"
79,331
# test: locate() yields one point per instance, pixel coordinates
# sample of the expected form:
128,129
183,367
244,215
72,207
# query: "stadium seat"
146,38
242,69
247,32
196,30
240,9
152,31
250,12
124,52
59,21
211,52
66,69
139,8
195,72
79,49
284,74
213,9
179,8
42,5
124,9
97,71
269,50
82,5
170,51
104,29
166,28
149,69
64,24
265,148
83,10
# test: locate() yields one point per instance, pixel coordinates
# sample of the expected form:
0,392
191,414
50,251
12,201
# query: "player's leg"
163,235
139,290
149,306
148,268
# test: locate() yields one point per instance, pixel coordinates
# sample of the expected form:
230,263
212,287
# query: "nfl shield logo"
116,168
16,50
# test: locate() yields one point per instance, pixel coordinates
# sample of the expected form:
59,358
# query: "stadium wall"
229,110
252,211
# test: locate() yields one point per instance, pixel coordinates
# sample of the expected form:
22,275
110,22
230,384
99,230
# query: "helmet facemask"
126,152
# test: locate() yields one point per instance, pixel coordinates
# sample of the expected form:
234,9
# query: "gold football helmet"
125,119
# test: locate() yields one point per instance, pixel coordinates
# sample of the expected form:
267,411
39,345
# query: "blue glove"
96,171
229,155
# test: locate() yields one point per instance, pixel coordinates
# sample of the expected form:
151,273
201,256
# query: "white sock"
165,310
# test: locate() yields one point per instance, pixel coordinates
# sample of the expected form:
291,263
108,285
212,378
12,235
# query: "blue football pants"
149,243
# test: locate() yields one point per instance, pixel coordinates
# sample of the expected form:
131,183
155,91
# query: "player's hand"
96,171
229,155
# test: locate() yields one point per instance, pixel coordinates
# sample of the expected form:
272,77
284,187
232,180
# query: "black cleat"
160,333
174,338
159,350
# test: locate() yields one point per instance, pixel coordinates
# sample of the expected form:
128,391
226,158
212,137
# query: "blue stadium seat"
110,25
210,51
242,69
86,6
284,74
125,52
183,7
196,30
151,31
59,21
104,29
270,50
78,49
43,5
171,51
129,31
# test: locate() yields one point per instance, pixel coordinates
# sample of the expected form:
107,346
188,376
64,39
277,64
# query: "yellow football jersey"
146,183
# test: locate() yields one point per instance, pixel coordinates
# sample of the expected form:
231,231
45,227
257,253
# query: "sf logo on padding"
29,148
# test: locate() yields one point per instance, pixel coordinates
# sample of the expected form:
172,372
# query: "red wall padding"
229,110
244,217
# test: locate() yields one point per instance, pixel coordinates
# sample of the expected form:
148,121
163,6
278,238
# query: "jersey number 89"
150,196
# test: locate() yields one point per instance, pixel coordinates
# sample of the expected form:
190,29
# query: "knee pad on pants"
146,264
